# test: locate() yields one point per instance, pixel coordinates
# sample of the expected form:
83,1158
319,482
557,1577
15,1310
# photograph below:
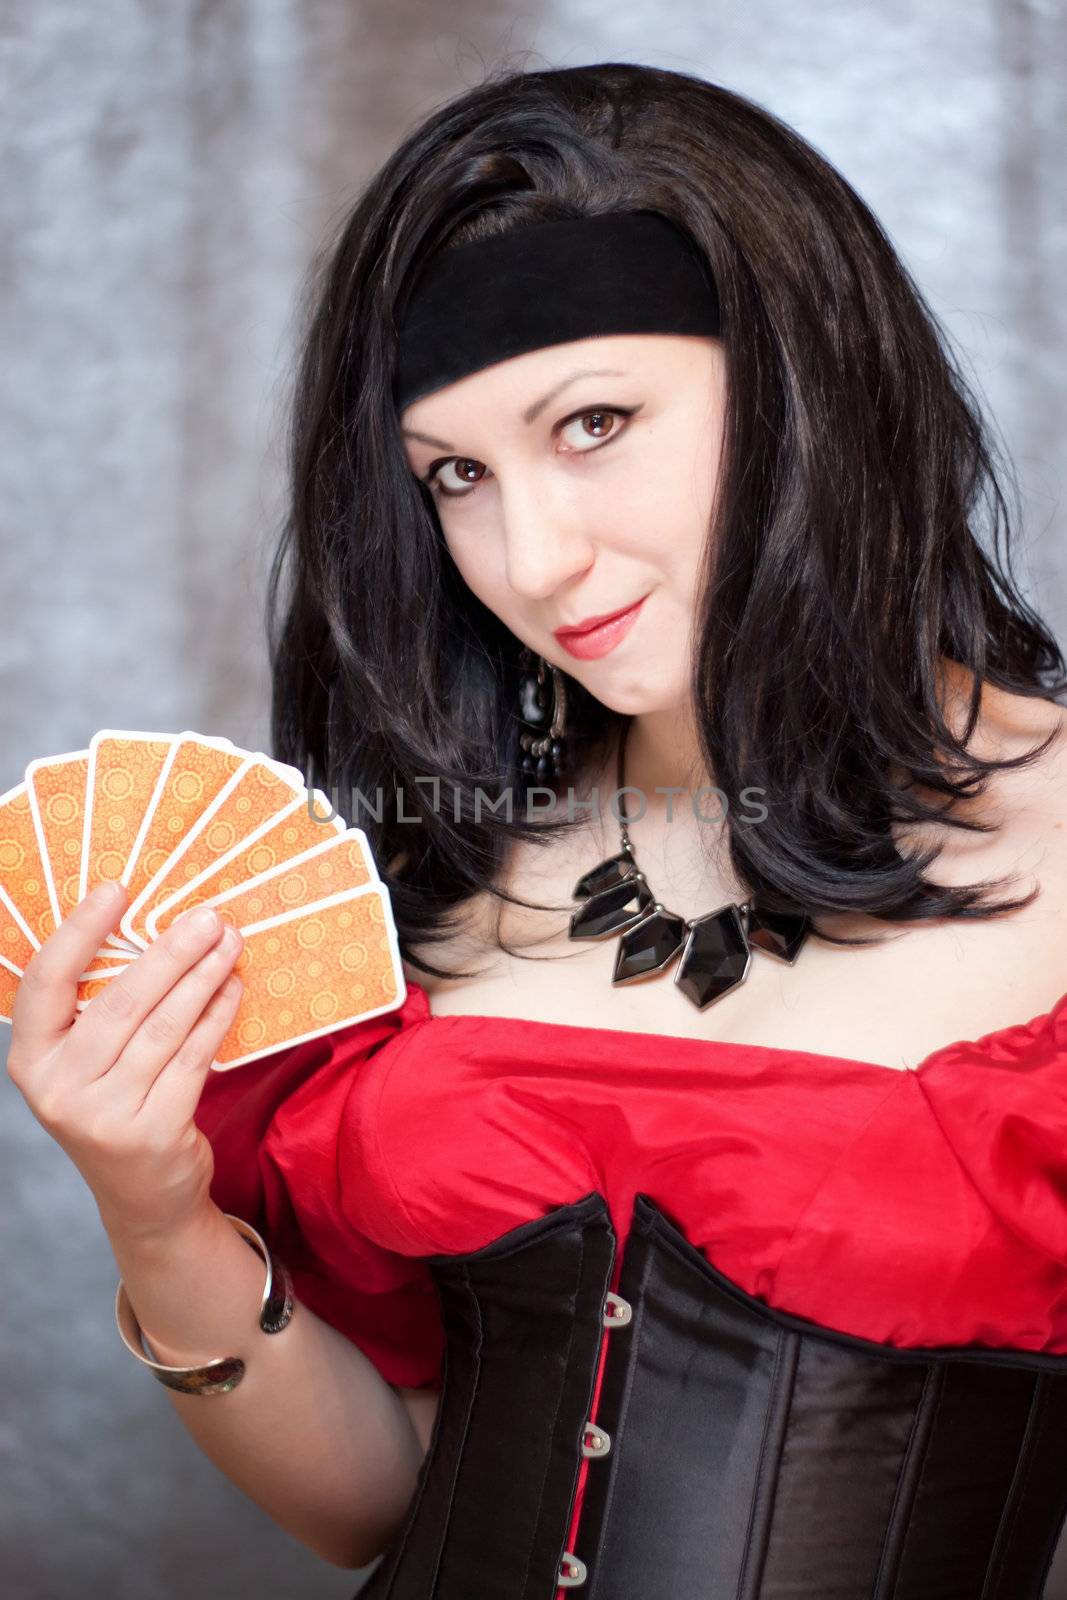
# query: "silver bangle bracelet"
225,1372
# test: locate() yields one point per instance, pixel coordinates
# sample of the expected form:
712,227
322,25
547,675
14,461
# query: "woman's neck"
663,753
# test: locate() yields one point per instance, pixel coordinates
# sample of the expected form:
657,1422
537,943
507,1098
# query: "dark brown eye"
467,470
601,425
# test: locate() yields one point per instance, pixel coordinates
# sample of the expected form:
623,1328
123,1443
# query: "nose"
546,538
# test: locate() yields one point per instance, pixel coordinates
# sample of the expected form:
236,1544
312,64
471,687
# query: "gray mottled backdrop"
168,169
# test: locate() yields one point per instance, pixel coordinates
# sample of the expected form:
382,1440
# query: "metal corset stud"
724,1417
617,1313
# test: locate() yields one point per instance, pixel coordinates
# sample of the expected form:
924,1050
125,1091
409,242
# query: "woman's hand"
116,1085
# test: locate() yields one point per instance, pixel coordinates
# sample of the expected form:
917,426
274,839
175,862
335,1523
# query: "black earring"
544,743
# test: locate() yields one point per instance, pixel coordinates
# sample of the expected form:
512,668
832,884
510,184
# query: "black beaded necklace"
716,948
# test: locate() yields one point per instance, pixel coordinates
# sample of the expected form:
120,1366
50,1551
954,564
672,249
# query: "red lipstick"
596,636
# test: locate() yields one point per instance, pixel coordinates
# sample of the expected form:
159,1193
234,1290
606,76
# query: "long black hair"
857,539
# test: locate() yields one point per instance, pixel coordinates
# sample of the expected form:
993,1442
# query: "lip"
601,634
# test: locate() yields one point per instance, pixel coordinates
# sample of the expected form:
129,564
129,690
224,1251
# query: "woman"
600,1288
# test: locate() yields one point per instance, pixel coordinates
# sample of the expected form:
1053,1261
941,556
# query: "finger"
166,1027
46,998
176,1091
113,1016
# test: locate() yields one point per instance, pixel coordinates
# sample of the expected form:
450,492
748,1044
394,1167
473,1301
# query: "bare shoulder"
1026,805
1043,796
1029,802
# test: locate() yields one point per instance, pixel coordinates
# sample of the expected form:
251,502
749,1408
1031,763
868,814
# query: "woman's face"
577,480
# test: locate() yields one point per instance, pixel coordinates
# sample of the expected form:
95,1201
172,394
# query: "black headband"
548,283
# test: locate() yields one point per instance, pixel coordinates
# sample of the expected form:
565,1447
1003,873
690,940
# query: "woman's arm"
312,1433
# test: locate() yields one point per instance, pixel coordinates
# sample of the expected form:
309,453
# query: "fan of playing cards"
186,820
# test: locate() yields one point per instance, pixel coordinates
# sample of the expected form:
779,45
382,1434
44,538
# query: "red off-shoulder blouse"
913,1207
917,1207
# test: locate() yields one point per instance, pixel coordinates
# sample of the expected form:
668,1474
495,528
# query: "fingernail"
105,893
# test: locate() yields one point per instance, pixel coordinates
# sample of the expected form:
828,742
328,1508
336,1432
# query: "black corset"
744,1454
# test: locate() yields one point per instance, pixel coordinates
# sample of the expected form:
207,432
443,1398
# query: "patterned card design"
303,824
56,787
310,972
9,982
182,820
16,950
23,872
254,798
194,775
124,769
16,946
335,865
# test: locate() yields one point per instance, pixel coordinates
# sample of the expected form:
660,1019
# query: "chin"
631,698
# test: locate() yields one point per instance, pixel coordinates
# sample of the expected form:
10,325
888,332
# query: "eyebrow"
532,412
